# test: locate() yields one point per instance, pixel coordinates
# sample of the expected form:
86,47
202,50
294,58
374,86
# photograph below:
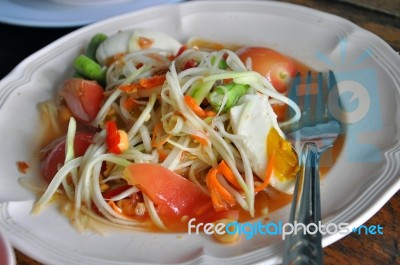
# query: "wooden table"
381,17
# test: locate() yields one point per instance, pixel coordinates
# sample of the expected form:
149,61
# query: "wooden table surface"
381,17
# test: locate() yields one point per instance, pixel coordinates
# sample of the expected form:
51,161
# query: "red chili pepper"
115,191
181,50
191,63
112,137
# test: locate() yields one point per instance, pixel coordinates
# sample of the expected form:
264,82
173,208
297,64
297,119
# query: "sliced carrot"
144,83
180,114
130,88
218,203
153,81
268,174
224,169
161,142
156,140
216,187
191,102
201,140
155,135
162,154
211,113
130,104
115,207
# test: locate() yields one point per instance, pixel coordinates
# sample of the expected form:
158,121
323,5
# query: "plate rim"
64,20
8,250
387,193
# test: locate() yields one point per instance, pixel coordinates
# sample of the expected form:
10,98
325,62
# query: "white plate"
60,13
7,255
364,177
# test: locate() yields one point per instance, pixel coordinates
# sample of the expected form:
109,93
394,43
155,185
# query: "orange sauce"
266,201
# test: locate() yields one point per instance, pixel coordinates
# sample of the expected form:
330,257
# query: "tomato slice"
276,67
84,98
55,153
177,199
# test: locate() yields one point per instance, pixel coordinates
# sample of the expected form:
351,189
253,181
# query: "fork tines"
311,92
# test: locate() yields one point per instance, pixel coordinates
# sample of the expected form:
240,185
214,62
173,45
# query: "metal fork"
315,132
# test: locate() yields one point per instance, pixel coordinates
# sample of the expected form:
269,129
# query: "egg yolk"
286,163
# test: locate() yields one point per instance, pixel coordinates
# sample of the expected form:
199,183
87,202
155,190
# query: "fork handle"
304,247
